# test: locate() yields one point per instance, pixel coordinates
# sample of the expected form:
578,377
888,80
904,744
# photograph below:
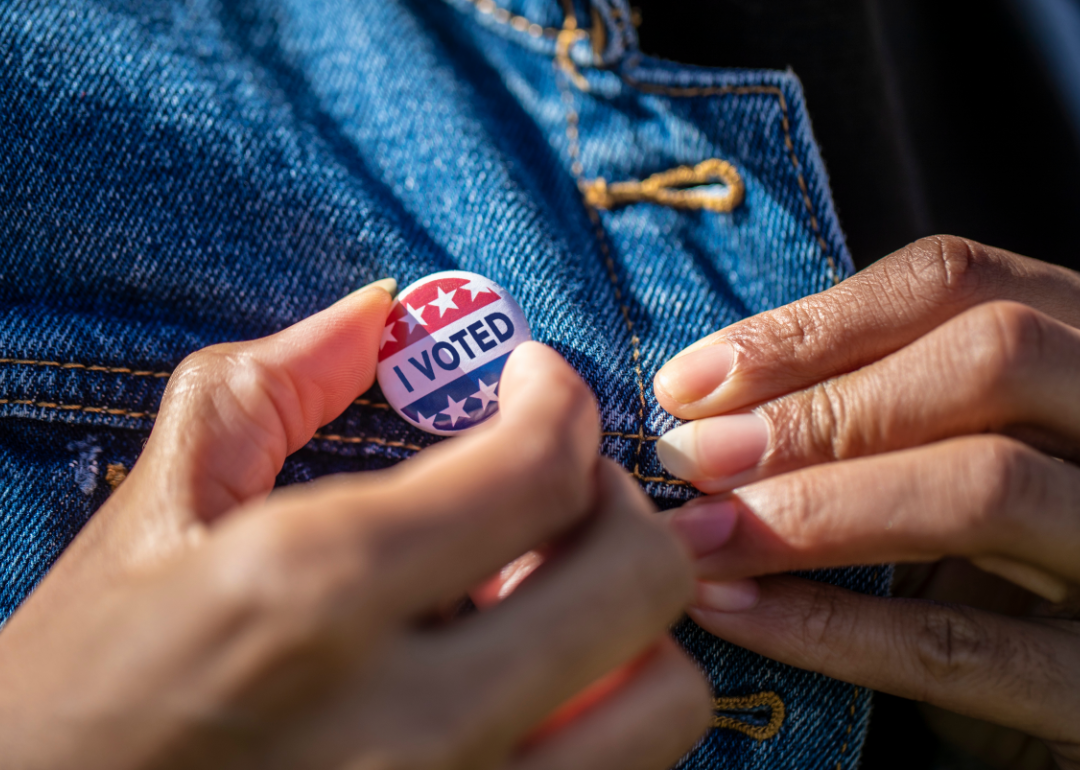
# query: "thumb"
233,412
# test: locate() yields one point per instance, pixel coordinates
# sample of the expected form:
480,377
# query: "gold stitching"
658,480
79,408
634,436
87,367
650,88
520,23
569,35
746,702
851,709
365,440
402,445
372,404
574,149
663,188
322,436
115,475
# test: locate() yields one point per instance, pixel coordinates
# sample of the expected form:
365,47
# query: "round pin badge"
443,350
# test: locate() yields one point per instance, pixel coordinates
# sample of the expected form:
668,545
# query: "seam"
578,171
520,23
574,149
320,436
338,438
634,436
372,404
789,144
658,480
569,35
80,408
364,440
565,36
360,401
87,367
851,725
666,188
770,699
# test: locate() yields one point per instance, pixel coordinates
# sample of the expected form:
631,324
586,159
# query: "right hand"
199,621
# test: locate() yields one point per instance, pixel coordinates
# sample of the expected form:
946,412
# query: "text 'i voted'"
443,349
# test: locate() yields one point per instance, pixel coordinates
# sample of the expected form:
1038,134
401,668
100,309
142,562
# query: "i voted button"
443,350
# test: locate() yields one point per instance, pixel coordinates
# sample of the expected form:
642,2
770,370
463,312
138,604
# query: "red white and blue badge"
443,350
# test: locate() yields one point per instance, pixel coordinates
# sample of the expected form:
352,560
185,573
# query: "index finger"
868,316
436,525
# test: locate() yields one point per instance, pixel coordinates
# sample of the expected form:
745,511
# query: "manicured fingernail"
694,375
714,448
734,596
704,527
389,285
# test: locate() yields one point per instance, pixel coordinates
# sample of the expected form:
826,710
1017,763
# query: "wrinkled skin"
200,620
925,411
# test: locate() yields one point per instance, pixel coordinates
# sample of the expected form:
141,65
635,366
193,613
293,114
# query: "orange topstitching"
87,367
763,732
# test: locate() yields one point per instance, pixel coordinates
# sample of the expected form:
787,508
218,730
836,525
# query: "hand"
913,412
200,621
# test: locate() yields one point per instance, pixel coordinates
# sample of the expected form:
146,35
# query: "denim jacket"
176,173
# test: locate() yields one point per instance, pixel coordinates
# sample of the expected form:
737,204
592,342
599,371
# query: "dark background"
933,117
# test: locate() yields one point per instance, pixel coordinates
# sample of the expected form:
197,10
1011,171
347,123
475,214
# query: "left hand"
914,412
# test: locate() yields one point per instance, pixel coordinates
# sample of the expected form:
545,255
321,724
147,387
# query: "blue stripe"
462,387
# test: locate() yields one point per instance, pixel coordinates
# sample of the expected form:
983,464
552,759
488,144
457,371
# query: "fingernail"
389,285
733,596
694,375
704,527
714,448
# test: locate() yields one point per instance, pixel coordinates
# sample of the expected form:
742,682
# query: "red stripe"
420,298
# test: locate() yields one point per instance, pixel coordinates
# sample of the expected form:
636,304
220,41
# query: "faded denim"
175,174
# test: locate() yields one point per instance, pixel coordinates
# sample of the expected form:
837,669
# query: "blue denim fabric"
178,174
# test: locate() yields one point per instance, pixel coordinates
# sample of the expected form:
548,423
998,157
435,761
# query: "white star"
427,423
455,410
445,301
415,316
387,335
477,288
486,394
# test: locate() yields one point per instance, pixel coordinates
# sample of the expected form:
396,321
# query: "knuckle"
253,581
827,425
785,331
284,579
1005,479
950,645
198,370
226,366
948,267
824,620
818,425
1006,340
